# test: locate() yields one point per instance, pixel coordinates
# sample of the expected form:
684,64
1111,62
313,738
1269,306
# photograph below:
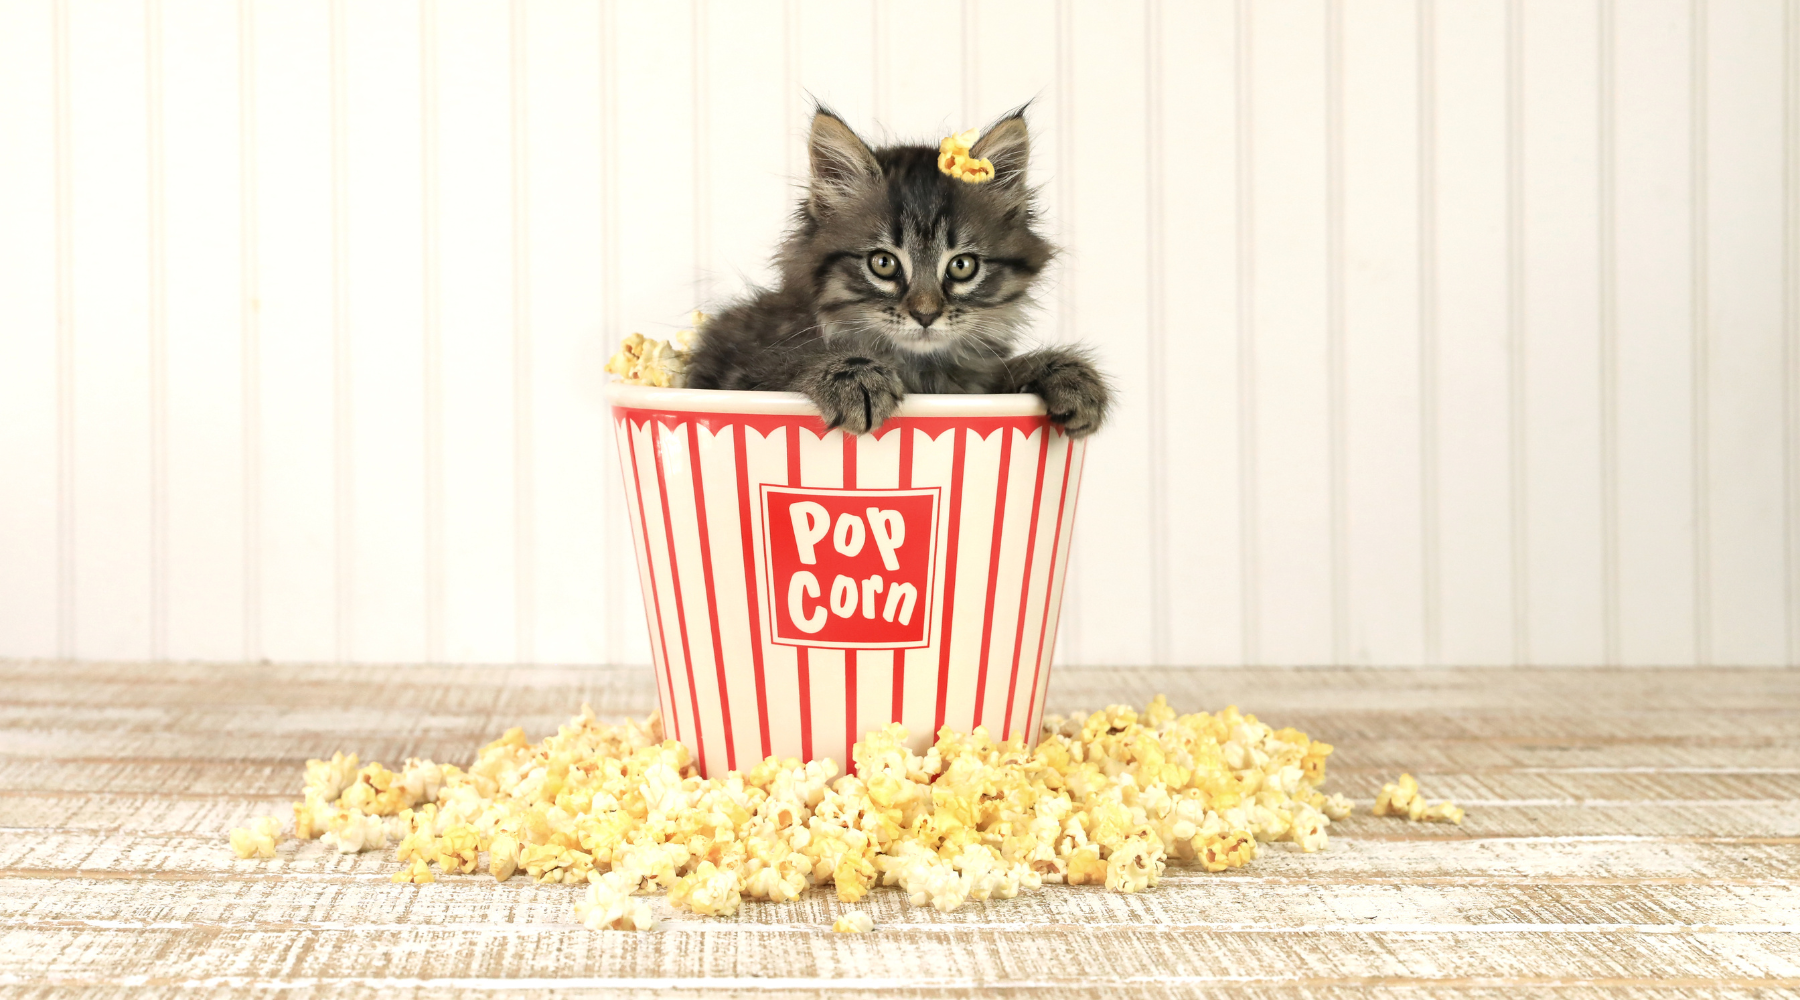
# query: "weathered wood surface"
1630,834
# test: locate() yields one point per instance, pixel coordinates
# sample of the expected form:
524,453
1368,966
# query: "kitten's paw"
856,393
1075,394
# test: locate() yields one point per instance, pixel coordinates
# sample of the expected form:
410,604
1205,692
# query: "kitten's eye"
884,264
963,266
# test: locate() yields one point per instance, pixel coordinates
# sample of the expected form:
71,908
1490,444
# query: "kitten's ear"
1007,144
842,163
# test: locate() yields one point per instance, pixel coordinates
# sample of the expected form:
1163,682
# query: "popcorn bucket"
805,585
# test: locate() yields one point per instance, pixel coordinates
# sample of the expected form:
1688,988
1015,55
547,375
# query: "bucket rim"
648,397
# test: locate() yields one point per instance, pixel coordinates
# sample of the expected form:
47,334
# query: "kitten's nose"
925,318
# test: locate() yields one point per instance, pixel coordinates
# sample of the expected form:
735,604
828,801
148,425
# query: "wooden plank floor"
1629,834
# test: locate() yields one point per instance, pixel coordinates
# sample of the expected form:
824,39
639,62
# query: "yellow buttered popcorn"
503,857
609,906
955,160
1106,799
554,862
458,849
1402,798
708,890
1085,866
256,840
417,873
1444,812
854,922
1231,850
643,360
331,777
351,831
1135,865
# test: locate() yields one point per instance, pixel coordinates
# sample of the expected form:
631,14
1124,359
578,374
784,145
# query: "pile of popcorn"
1104,799
954,158
643,360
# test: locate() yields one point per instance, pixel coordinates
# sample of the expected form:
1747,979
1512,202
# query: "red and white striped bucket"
804,586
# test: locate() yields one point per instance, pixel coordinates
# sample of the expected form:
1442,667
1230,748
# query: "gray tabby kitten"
898,278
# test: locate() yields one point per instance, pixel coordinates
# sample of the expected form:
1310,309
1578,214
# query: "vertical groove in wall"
971,85
1070,632
1430,524
1515,332
1249,571
701,49
1790,319
158,322
1701,330
524,479
611,314
790,80
65,335
1335,388
436,594
343,430
1065,174
1156,349
878,62
249,333
1609,338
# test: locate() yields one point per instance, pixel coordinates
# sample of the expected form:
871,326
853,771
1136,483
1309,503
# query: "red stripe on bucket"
999,532
662,487
793,464
899,695
805,703
656,630
1037,500
712,597
849,654
906,446
741,453
849,711
1050,580
958,445
1072,505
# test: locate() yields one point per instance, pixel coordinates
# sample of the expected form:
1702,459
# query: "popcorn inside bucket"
642,360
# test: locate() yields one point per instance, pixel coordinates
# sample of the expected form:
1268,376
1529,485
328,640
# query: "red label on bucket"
849,569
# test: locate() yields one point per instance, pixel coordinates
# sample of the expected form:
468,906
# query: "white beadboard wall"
1448,331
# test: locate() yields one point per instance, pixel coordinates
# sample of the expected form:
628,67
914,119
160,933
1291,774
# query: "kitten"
898,278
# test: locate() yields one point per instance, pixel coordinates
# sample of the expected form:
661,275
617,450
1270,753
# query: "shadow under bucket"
805,585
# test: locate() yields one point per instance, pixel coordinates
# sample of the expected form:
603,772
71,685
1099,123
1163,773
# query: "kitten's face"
894,248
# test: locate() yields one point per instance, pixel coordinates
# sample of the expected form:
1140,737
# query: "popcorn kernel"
854,922
954,158
256,840
418,874
643,360
1402,798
